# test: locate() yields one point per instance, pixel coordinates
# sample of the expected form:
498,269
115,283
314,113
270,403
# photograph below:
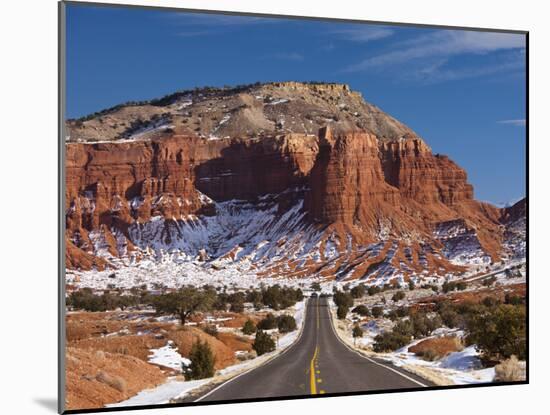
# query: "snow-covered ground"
175,388
168,356
172,389
462,367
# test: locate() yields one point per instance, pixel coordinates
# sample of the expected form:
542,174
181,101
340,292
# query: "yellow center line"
312,380
314,364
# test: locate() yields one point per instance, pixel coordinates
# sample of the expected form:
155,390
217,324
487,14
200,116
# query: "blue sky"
462,91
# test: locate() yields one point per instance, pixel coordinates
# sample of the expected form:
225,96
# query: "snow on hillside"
175,388
168,356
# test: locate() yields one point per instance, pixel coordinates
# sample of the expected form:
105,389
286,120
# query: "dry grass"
510,370
185,337
95,379
107,360
436,348
113,381
235,342
136,346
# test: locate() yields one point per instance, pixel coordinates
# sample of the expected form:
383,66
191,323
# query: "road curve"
317,363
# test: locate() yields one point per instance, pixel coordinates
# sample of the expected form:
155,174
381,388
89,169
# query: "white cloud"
217,20
287,56
441,44
439,71
363,34
516,123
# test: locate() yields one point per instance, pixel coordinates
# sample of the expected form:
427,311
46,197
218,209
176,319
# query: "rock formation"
299,179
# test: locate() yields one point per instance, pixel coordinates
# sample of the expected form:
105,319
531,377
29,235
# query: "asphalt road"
317,363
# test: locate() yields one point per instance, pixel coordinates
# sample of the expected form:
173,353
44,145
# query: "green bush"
411,285
249,327
342,312
268,323
513,299
377,311
277,297
342,298
450,318
263,343
357,331
404,328
402,311
499,332
286,323
373,289
362,310
316,286
423,325
358,291
202,362
398,296
389,341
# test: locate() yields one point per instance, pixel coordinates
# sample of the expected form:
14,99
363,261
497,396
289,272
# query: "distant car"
313,295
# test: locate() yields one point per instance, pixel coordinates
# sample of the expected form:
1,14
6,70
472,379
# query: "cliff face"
340,203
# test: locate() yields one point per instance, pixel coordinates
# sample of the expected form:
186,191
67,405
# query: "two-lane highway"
317,363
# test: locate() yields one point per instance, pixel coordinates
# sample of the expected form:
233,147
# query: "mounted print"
260,207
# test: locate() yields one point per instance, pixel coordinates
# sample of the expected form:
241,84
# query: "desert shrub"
202,361
236,301
389,341
362,310
122,350
114,382
119,384
263,343
286,323
453,286
316,286
377,311
342,312
249,327
423,325
490,301
392,315
435,322
85,299
509,370
236,307
373,289
402,311
268,323
404,327
357,331
254,296
342,298
499,332
221,301
411,285
358,291
277,297
398,296
212,330
450,317
513,299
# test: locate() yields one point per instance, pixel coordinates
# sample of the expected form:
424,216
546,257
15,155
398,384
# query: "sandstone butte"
360,183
